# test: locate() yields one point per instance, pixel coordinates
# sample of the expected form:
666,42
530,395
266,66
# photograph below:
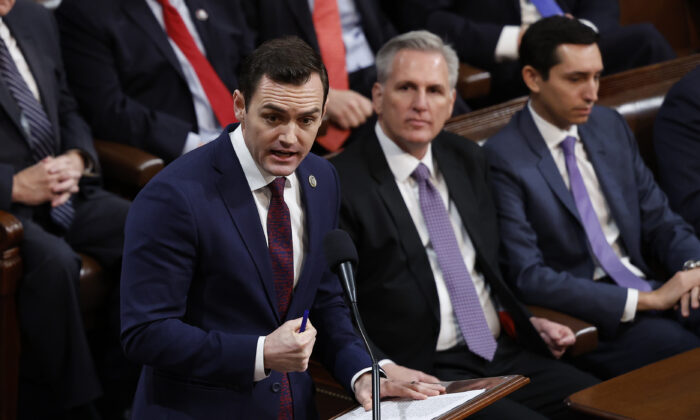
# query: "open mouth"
282,154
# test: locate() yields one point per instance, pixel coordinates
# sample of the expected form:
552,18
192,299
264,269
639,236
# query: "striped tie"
36,125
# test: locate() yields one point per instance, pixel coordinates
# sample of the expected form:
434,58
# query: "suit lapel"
204,28
10,105
604,164
310,201
142,14
546,164
409,237
302,14
235,191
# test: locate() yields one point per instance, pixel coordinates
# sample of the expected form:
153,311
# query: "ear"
532,78
452,103
239,106
377,95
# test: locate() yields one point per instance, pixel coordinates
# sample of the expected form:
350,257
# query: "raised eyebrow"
275,108
310,112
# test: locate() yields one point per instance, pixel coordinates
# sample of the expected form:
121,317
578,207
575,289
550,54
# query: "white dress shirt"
358,53
507,45
19,60
402,165
258,180
206,120
553,136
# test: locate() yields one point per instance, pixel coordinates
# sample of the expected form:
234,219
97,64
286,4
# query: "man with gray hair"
417,203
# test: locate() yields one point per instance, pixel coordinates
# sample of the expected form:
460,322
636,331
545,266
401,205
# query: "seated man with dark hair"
226,242
486,34
156,74
49,181
677,147
581,215
418,206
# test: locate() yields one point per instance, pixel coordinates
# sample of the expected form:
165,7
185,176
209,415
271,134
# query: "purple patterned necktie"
36,125
465,302
599,245
279,234
547,8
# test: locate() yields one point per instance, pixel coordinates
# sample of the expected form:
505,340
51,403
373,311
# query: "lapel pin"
201,14
312,181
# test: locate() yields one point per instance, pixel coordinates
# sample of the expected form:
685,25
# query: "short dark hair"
283,60
538,48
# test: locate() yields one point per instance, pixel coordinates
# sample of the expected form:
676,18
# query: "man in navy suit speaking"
581,216
223,255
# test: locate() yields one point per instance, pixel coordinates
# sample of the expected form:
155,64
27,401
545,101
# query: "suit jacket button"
276,387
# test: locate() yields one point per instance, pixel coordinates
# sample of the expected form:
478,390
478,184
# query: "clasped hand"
52,179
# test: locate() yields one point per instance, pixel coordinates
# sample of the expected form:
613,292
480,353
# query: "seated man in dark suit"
156,74
347,33
580,214
486,34
417,204
677,147
48,181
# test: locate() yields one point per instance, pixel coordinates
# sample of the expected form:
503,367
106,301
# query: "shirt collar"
552,134
257,177
402,164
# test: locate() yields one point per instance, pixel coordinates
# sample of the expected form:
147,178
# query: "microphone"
341,257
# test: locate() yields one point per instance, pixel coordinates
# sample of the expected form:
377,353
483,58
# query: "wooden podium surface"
667,389
496,388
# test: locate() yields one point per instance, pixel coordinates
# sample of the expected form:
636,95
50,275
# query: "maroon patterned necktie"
279,234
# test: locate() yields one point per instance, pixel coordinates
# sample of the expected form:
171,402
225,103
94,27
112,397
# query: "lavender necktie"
547,8
36,124
599,245
465,302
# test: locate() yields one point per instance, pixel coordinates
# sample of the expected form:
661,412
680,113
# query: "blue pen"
303,321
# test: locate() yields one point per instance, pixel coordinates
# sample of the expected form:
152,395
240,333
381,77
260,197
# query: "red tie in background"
329,34
220,98
279,234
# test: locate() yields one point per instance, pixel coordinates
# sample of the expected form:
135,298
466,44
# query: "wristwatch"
690,264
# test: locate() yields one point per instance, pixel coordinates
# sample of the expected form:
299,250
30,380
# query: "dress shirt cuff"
507,46
630,305
195,140
589,24
381,363
259,373
192,142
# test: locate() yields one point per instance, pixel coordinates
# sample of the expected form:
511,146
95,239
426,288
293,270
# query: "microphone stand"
345,273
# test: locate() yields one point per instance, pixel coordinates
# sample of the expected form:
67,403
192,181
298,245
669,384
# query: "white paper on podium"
415,409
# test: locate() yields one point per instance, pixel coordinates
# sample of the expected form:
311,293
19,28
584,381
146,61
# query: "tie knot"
421,173
568,145
277,186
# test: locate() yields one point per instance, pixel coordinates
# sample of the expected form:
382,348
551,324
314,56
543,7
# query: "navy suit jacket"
126,76
37,36
544,246
197,291
677,147
397,295
474,26
275,18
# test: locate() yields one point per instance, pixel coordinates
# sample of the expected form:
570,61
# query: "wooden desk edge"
592,411
488,397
